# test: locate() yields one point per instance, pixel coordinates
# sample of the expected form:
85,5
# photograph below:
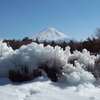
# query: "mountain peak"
51,28
50,34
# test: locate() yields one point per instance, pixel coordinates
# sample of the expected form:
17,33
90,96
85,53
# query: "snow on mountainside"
50,34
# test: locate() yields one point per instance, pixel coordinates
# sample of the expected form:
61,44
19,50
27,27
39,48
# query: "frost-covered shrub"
76,74
84,58
23,74
59,65
4,49
97,67
17,76
52,68
5,66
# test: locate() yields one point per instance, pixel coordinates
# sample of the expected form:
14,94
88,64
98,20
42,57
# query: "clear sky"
23,18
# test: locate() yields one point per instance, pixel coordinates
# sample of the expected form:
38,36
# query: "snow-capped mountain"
50,34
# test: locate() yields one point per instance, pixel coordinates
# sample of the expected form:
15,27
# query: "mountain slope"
50,34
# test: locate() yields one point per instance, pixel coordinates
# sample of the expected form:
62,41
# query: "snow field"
43,88
76,69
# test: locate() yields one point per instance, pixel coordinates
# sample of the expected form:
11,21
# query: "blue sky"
77,19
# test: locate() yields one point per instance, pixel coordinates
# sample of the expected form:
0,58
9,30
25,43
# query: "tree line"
91,44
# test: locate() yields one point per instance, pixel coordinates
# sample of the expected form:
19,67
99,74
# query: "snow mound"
76,68
4,49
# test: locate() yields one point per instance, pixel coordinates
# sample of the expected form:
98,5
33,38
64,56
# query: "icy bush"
76,74
23,75
4,49
80,76
84,58
97,67
59,65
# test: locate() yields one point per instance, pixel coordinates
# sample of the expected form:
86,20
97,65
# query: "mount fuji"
50,34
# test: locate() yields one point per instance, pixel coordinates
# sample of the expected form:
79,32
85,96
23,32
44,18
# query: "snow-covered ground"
44,89
78,78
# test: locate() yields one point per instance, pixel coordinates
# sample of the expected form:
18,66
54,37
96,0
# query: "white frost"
74,65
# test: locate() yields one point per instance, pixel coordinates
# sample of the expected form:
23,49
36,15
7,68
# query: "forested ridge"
92,44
